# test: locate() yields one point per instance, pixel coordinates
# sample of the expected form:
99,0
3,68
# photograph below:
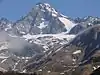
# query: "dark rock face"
89,41
96,72
77,29
15,73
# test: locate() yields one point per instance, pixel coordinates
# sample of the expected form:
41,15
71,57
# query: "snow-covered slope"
68,24
49,41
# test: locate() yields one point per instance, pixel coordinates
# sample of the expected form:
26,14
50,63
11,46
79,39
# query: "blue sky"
14,9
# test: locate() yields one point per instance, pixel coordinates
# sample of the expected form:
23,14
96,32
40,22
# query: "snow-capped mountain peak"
47,7
43,19
64,19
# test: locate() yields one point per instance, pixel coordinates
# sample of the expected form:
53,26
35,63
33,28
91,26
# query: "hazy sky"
14,9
